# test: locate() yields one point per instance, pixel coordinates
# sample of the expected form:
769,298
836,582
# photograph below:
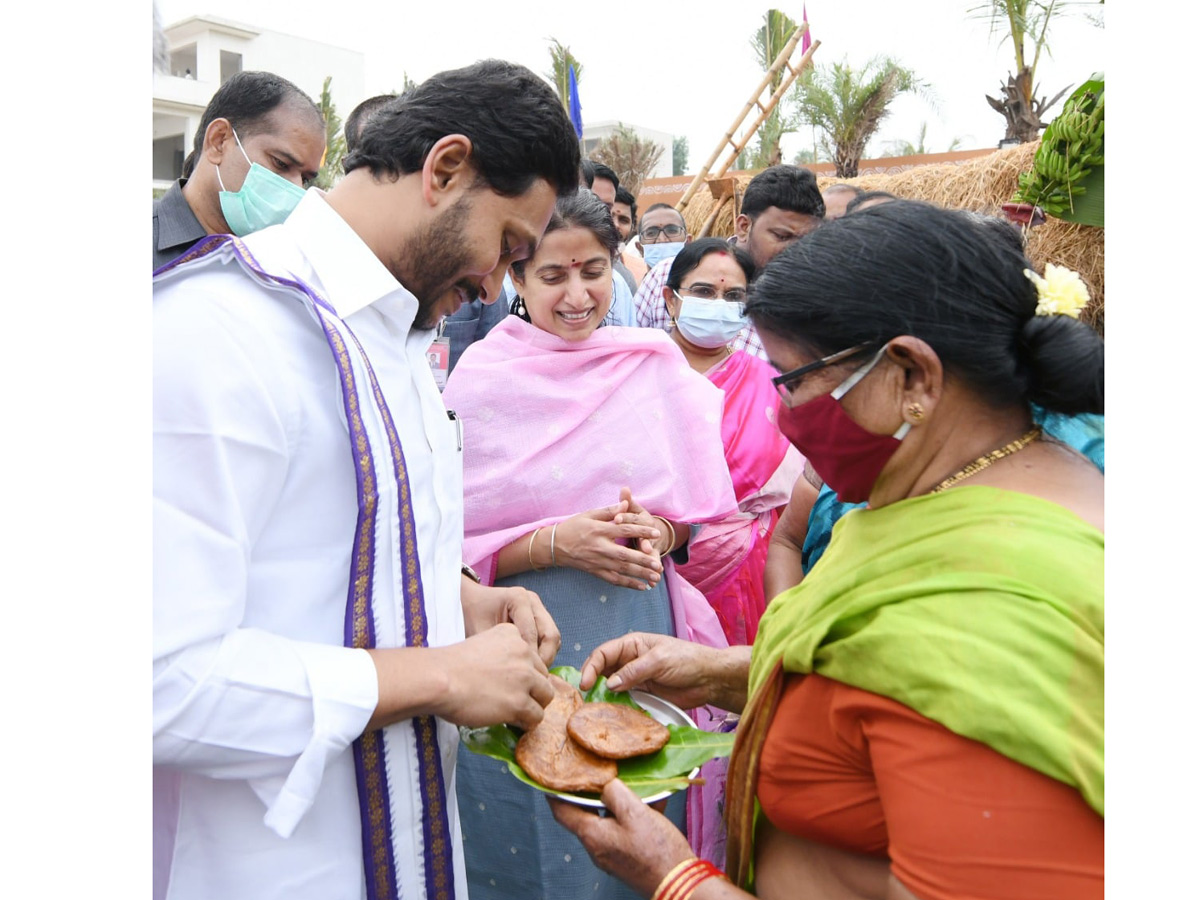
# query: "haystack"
981,184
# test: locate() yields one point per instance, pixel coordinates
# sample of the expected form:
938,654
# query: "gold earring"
916,410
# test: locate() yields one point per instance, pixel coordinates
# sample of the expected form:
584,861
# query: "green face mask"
265,198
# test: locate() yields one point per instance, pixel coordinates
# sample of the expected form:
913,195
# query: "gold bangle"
553,532
532,538
671,531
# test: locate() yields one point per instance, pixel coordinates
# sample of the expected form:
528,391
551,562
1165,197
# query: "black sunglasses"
786,383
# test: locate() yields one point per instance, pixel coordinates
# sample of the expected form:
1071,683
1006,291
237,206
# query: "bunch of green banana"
1072,145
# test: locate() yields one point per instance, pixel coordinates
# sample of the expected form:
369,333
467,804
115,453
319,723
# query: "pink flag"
806,41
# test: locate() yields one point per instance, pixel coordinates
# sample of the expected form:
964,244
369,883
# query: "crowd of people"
834,482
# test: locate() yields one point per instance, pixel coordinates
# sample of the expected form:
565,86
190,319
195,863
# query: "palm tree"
335,141
907,148
561,60
777,29
848,105
1022,21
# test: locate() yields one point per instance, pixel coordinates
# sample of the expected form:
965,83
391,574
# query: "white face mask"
656,253
710,323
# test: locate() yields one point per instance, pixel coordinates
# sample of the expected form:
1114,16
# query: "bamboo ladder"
723,190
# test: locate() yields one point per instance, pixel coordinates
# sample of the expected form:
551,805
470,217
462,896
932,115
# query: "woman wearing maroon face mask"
923,715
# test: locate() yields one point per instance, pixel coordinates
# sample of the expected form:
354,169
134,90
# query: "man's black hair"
246,100
518,128
789,188
868,197
624,196
654,206
360,115
600,170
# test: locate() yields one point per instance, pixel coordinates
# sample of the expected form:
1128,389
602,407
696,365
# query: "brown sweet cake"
615,731
551,758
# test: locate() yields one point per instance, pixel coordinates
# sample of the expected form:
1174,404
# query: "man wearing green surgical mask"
260,141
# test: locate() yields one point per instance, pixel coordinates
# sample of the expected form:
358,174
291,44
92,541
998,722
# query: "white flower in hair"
1060,293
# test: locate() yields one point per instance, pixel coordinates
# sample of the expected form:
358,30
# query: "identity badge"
439,360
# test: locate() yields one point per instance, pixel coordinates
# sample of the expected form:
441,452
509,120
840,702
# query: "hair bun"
1066,362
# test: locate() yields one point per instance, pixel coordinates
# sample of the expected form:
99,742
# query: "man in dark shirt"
254,117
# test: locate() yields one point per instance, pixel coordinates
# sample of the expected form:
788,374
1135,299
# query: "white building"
594,134
205,51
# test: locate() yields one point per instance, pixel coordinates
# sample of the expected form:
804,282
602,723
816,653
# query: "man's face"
661,226
622,217
764,237
605,190
291,145
467,249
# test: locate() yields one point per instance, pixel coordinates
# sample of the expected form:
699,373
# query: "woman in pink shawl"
704,293
589,455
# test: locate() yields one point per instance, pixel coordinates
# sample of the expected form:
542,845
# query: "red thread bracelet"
682,881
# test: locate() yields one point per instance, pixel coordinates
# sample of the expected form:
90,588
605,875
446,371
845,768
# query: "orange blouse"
848,768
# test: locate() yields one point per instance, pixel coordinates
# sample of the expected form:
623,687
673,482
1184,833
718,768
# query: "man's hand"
491,678
494,677
485,607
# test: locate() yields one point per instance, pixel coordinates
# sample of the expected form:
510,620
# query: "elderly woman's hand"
595,542
635,843
685,673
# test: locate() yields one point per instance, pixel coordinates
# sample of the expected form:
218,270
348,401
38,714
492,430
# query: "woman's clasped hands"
622,543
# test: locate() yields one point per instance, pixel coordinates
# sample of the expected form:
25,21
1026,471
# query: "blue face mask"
710,323
656,253
265,198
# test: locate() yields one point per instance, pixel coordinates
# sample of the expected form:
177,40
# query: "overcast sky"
703,69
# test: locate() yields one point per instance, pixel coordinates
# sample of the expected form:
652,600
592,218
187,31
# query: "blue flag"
574,108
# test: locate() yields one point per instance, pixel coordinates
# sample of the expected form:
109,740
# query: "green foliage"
668,769
1067,179
335,141
770,38
679,156
561,60
847,105
907,148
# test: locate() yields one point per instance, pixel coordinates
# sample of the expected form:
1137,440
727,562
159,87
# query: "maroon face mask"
846,456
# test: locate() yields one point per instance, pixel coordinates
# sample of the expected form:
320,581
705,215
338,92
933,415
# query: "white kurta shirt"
256,701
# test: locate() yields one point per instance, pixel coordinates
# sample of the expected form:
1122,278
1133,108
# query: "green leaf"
1089,207
666,770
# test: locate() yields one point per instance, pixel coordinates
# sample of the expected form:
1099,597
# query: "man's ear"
741,227
217,136
448,170
688,239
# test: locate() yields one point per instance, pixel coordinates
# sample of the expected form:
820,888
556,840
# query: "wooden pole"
712,216
778,64
775,97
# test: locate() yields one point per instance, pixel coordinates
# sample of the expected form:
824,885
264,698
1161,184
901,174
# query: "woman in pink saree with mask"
588,455
704,294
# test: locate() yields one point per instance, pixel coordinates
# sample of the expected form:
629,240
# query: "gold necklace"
988,458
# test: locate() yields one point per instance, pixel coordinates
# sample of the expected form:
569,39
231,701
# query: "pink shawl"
727,557
552,428
754,445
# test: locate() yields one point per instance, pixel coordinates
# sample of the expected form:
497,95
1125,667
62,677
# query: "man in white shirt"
316,641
